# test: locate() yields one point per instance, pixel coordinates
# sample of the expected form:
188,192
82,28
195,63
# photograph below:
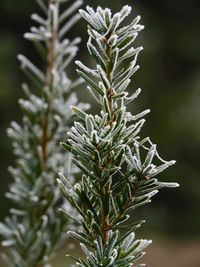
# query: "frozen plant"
119,168
35,230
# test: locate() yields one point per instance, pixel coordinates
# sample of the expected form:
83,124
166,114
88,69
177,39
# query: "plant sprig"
107,148
35,230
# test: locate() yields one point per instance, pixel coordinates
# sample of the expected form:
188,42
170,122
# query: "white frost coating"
26,63
53,8
34,190
86,69
107,148
70,10
38,19
69,25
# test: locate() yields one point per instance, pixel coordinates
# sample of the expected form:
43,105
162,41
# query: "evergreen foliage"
35,229
118,167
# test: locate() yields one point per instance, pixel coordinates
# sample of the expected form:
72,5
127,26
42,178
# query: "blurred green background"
170,79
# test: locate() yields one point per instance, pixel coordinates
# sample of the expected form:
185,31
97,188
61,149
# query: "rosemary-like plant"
34,229
117,165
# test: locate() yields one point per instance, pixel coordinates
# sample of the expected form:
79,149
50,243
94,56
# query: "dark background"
170,78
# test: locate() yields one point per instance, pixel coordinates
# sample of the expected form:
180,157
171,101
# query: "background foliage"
170,78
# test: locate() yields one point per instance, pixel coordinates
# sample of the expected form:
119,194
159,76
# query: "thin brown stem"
105,226
105,221
51,58
125,207
120,215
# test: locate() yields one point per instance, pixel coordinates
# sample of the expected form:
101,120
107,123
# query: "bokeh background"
170,78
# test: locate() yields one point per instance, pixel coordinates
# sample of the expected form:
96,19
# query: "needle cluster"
119,168
34,230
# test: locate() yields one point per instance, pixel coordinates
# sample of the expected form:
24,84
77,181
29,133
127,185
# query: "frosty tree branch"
34,231
107,148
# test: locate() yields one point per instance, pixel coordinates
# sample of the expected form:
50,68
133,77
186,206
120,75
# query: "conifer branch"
107,148
35,230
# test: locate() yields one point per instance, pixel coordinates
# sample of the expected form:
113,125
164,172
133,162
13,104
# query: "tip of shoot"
173,162
176,185
58,181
